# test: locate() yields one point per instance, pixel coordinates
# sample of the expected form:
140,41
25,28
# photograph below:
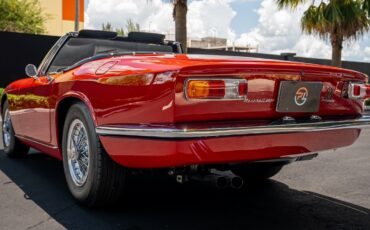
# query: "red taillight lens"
357,90
243,88
231,89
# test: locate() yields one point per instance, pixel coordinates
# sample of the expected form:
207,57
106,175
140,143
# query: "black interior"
79,48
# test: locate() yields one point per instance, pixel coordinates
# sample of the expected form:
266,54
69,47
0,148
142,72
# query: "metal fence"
18,50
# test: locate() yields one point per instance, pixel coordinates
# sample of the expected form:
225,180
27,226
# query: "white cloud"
279,31
309,46
210,18
155,15
352,50
205,17
367,54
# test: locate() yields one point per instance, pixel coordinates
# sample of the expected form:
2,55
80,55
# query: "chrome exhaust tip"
222,182
236,182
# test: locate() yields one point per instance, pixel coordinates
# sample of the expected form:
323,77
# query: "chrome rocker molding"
184,133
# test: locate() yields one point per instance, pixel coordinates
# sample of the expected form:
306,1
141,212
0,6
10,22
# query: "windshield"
78,49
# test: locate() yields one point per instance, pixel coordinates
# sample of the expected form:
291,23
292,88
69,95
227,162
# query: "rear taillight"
357,90
222,89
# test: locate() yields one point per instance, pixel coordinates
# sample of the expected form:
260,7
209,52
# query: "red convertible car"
110,107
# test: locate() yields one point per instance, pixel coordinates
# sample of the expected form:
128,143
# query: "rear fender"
70,95
79,96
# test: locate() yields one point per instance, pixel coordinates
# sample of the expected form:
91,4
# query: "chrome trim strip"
189,133
290,158
36,141
351,89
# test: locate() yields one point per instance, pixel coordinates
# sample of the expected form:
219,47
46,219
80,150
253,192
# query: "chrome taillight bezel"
232,92
351,90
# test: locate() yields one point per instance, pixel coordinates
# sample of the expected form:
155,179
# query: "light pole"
77,15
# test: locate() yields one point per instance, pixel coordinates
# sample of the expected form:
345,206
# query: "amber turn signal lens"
228,89
205,89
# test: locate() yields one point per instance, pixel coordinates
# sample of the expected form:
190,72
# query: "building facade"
214,43
207,42
60,16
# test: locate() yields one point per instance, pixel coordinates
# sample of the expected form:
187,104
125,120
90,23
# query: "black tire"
15,148
255,172
105,182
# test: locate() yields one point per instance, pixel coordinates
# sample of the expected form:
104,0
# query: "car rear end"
268,92
233,111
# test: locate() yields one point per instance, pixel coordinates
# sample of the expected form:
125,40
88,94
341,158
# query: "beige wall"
54,24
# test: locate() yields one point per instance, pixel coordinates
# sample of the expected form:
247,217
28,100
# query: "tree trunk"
337,46
180,11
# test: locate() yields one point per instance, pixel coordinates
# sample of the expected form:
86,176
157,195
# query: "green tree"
131,26
107,26
336,20
180,10
23,16
120,32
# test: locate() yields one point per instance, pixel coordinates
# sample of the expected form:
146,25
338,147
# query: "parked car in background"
108,106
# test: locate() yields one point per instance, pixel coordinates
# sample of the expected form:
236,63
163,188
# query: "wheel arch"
61,110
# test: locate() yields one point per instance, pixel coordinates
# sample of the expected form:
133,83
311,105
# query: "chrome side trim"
36,141
189,133
290,158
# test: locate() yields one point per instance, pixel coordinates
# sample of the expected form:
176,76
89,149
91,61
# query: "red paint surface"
134,91
146,153
367,92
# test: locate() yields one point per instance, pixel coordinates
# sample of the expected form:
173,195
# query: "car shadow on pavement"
153,203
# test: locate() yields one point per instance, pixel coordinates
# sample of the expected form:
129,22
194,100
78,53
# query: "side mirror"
31,71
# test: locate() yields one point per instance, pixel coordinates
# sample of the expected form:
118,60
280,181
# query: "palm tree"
180,9
337,20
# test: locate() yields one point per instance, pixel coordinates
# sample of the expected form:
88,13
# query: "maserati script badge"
301,95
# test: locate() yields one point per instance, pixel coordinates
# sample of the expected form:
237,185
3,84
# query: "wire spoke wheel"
7,125
78,152
93,178
12,146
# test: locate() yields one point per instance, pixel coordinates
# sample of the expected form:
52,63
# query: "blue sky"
256,23
246,17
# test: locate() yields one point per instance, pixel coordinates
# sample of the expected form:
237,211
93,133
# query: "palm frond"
346,18
366,6
292,4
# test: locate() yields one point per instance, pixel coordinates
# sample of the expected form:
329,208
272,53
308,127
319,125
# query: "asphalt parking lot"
329,192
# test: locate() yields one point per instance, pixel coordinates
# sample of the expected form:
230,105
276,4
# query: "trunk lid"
264,79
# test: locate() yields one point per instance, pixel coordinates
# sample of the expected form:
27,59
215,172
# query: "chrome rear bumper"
185,132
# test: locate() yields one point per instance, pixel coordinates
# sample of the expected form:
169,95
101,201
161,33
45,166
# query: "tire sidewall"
8,149
84,192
